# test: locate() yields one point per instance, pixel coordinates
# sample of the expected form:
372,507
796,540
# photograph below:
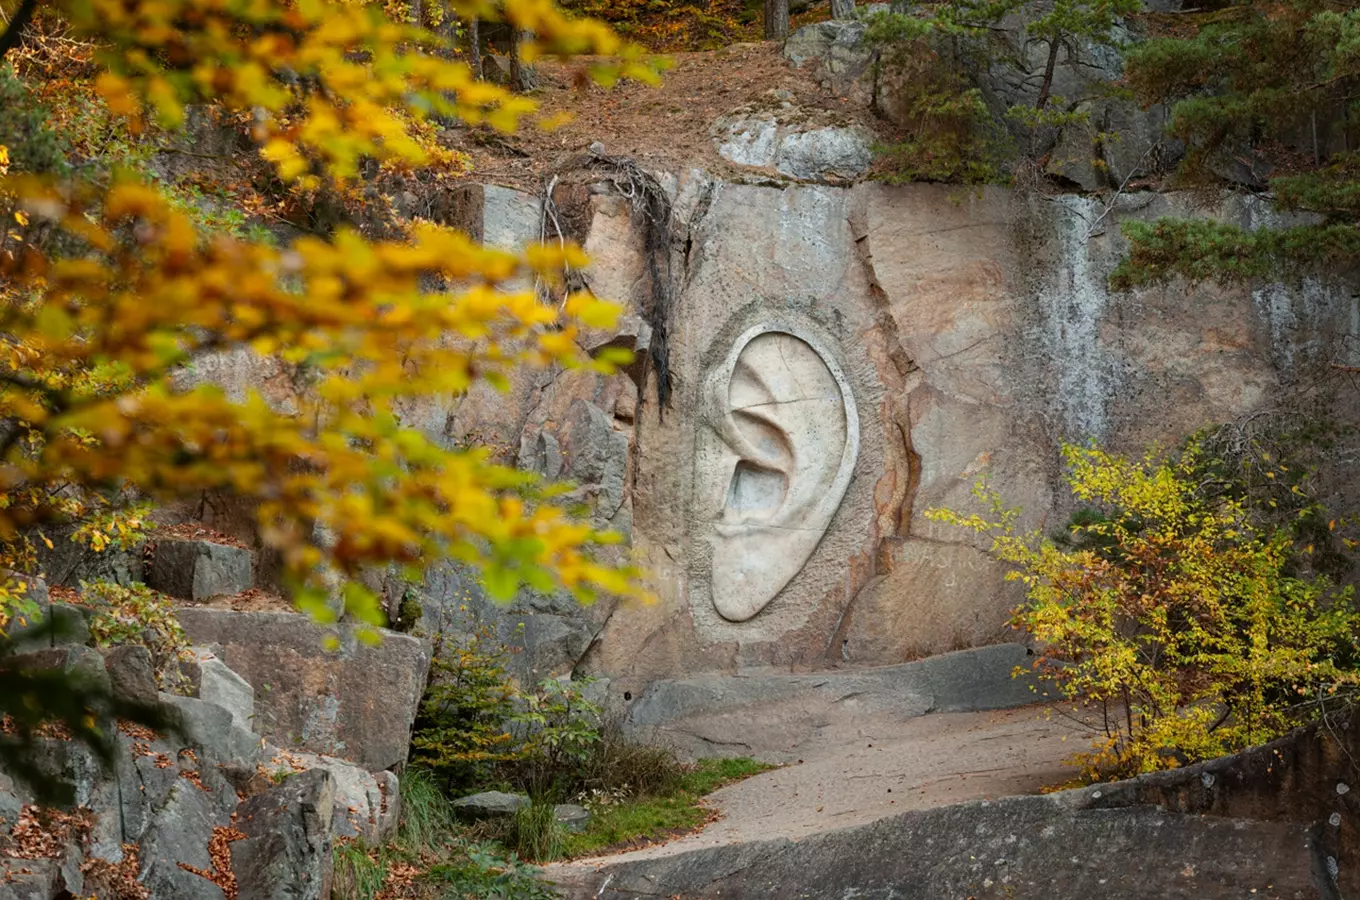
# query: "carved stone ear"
786,418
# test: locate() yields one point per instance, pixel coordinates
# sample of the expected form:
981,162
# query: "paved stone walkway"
928,761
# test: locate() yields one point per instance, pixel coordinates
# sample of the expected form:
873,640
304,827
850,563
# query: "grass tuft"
427,819
359,873
535,833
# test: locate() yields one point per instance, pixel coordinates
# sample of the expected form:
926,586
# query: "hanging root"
651,211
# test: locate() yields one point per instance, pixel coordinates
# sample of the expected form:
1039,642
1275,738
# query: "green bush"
136,614
33,146
461,733
559,729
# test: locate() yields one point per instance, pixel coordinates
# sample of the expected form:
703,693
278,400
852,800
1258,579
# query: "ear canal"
785,412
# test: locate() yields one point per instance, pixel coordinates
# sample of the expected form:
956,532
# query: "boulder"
489,805
212,680
361,798
31,587
13,798
199,570
122,805
70,768
825,154
572,816
69,869
84,663
356,702
796,144
178,836
132,674
510,218
286,851
836,45
145,779
68,562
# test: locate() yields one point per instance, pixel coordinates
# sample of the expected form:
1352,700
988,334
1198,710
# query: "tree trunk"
417,14
475,46
1046,88
842,9
523,78
776,20
15,30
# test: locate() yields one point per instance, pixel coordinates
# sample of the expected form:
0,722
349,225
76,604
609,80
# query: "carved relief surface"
787,438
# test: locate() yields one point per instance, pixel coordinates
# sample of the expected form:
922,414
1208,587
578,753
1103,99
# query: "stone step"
199,570
777,716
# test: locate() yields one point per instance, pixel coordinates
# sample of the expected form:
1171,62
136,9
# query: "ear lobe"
784,412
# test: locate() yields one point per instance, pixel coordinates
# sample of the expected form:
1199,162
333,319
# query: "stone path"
928,761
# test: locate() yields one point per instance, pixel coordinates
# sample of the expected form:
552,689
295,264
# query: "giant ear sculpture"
788,435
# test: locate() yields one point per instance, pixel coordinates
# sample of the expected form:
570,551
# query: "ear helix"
783,410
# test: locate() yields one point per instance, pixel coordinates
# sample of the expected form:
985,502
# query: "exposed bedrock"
841,360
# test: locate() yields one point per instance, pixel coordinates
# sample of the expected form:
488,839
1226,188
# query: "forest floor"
666,126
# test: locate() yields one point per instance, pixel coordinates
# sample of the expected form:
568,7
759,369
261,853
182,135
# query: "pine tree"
1263,95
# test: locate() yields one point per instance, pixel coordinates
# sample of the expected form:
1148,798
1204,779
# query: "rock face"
356,702
175,840
210,679
940,335
174,795
132,675
963,334
55,625
213,729
367,805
